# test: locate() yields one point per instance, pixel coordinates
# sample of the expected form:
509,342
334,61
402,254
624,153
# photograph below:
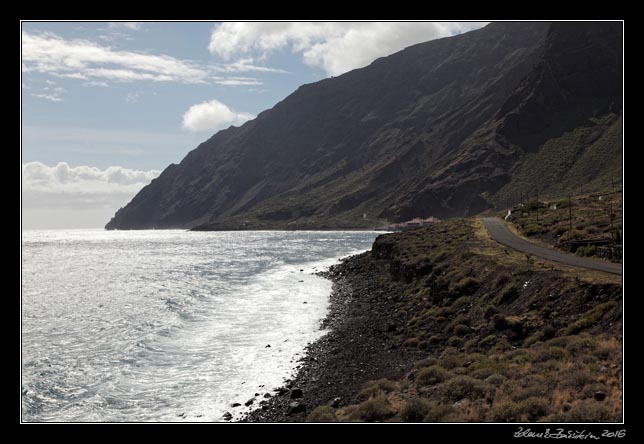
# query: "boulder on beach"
296,407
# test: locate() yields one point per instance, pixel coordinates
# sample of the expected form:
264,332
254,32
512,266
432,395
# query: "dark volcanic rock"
296,407
435,129
296,393
335,367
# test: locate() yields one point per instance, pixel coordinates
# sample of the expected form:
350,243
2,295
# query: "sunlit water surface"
167,325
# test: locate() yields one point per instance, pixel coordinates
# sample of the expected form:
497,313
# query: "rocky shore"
441,324
362,345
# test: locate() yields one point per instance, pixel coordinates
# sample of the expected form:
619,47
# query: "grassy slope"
590,219
570,162
498,338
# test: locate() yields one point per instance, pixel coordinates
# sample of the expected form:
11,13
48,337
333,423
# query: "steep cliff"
446,128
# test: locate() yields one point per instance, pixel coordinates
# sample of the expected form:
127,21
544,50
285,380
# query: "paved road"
500,232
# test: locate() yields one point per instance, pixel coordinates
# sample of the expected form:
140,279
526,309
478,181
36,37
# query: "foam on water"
168,325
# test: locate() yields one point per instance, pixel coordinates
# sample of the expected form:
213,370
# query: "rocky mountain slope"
449,127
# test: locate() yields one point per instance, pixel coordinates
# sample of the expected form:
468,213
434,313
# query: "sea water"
168,325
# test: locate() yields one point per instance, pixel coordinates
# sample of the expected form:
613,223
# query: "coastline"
442,324
361,345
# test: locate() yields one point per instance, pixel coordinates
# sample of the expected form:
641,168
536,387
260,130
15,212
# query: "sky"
107,106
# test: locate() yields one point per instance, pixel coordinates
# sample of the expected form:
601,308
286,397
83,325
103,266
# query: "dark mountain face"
441,128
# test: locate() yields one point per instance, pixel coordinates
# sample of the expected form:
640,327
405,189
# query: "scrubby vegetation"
323,413
496,338
566,223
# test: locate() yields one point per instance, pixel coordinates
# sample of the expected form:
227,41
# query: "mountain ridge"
437,129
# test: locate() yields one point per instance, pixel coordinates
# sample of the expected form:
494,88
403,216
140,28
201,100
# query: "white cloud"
52,93
51,97
81,59
47,53
246,65
212,115
236,81
83,180
79,191
61,196
132,26
96,83
336,47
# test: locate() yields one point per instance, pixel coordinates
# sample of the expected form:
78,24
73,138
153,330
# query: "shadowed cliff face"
578,77
436,129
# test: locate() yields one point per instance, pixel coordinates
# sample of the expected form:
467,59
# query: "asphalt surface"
499,231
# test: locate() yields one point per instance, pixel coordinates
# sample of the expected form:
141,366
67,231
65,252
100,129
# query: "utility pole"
570,212
610,215
537,206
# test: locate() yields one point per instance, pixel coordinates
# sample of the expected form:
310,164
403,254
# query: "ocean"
168,325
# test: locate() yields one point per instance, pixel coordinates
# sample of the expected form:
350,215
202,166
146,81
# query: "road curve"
499,231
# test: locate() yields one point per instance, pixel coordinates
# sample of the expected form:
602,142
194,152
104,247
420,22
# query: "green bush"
323,413
495,379
505,411
509,293
461,387
373,388
472,345
581,344
432,375
415,410
590,318
440,413
462,330
529,392
576,378
454,360
537,336
480,373
375,409
532,228
586,250
426,362
461,302
587,410
552,352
